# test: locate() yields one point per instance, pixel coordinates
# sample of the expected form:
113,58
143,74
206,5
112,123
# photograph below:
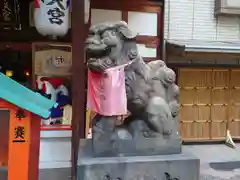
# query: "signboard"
53,60
9,14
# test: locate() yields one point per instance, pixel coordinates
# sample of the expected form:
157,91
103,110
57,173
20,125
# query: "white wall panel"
228,28
143,23
55,150
147,52
166,20
100,15
180,19
204,22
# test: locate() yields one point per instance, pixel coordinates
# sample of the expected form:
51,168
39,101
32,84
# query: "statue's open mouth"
96,56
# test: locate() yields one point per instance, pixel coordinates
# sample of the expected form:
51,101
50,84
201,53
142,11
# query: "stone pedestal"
131,147
162,161
159,167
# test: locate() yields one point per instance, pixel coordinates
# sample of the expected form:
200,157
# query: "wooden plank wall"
209,103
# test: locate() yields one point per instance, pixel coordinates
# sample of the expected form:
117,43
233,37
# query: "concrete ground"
218,162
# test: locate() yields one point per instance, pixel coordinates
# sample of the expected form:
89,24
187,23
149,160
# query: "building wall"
194,19
199,119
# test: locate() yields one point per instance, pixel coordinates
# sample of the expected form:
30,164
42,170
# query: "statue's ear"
127,33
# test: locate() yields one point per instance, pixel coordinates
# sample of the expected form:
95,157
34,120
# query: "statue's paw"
150,134
147,134
175,108
122,133
167,132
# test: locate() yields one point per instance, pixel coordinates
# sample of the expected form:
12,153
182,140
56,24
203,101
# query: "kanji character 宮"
56,15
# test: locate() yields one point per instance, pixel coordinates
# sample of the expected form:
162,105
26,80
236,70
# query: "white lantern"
51,17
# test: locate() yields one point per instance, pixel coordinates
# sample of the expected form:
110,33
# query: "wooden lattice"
206,103
234,113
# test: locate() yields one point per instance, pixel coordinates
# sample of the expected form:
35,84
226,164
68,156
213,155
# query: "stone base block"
161,167
136,147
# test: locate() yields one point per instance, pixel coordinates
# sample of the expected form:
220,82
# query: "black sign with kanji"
19,134
9,14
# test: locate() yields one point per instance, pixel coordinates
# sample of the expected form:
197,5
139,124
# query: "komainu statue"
152,95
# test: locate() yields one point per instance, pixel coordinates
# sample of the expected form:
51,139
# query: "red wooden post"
78,79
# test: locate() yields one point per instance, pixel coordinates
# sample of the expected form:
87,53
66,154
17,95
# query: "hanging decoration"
9,14
52,17
54,89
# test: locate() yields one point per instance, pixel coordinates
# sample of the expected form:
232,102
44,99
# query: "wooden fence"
210,103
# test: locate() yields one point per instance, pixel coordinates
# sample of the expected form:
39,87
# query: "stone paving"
220,153
209,177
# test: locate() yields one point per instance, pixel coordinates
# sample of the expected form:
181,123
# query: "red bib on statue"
107,93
